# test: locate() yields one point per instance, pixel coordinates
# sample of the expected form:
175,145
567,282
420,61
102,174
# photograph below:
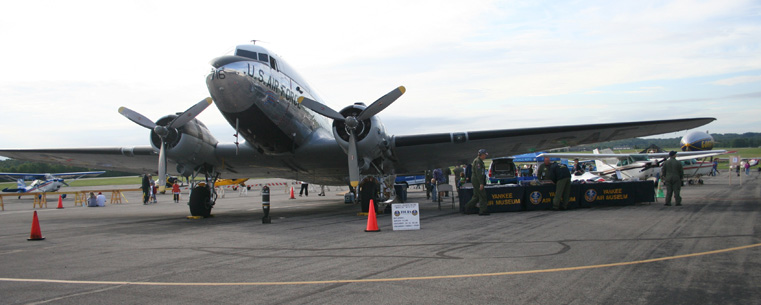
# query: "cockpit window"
245,53
253,55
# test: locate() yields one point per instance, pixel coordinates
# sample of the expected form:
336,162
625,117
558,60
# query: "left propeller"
163,131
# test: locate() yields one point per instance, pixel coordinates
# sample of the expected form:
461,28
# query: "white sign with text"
405,216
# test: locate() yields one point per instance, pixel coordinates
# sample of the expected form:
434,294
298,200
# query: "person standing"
304,189
457,171
438,175
146,186
478,179
322,190
447,173
543,172
368,189
428,186
561,176
176,191
715,168
578,170
747,168
672,174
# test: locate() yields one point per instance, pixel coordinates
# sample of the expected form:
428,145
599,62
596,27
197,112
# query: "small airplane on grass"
43,182
641,166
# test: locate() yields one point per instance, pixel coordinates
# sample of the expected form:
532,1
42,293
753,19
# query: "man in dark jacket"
478,179
672,174
561,176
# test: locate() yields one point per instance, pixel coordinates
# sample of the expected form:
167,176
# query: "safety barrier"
80,197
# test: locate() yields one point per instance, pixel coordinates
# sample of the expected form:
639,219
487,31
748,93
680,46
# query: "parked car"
410,180
502,171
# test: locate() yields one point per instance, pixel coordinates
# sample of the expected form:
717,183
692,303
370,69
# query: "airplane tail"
21,187
604,164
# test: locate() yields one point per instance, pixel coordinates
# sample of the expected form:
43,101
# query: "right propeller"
164,131
351,122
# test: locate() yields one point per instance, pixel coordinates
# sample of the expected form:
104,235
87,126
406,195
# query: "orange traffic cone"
60,202
36,234
292,195
372,223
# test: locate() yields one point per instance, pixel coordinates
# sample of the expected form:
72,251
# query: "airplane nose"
226,60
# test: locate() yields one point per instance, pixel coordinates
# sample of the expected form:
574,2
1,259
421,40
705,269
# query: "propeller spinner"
164,131
351,123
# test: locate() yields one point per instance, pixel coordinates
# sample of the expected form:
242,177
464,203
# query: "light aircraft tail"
604,164
21,187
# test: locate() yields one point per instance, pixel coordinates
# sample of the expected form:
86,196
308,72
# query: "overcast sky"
69,65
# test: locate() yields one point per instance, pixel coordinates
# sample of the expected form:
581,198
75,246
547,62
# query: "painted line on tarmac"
419,278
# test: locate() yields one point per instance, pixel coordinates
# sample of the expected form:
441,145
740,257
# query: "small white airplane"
291,133
642,166
43,182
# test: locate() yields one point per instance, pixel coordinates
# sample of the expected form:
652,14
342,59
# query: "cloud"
490,64
738,80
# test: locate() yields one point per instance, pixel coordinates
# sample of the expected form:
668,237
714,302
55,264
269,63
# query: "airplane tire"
199,201
700,181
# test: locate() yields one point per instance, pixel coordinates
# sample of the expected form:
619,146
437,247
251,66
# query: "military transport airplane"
291,133
43,182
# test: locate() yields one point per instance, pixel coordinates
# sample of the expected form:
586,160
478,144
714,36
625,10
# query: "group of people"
150,189
672,174
96,201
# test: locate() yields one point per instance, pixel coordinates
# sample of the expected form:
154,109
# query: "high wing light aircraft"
43,182
641,166
291,133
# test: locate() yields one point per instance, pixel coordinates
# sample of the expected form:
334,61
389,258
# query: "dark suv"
502,171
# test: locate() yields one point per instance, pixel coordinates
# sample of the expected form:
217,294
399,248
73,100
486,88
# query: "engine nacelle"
190,146
372,141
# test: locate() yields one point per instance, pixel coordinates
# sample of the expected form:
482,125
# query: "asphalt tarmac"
316,251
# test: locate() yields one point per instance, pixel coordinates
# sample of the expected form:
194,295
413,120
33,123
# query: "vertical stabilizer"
605,164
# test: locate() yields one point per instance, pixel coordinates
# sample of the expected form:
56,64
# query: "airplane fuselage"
259,98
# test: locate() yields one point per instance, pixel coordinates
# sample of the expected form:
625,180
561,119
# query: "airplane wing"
587,156
143,159
682,155
419,152
25,176
412,153
698,154
77,175
129,159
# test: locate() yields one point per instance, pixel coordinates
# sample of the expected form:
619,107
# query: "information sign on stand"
405,216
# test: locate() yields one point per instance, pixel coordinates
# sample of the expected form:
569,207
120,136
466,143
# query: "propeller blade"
320,108
353,167
137,118
191,113
162,167
381,103
64,183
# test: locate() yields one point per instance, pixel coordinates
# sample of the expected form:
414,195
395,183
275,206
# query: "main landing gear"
203,196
